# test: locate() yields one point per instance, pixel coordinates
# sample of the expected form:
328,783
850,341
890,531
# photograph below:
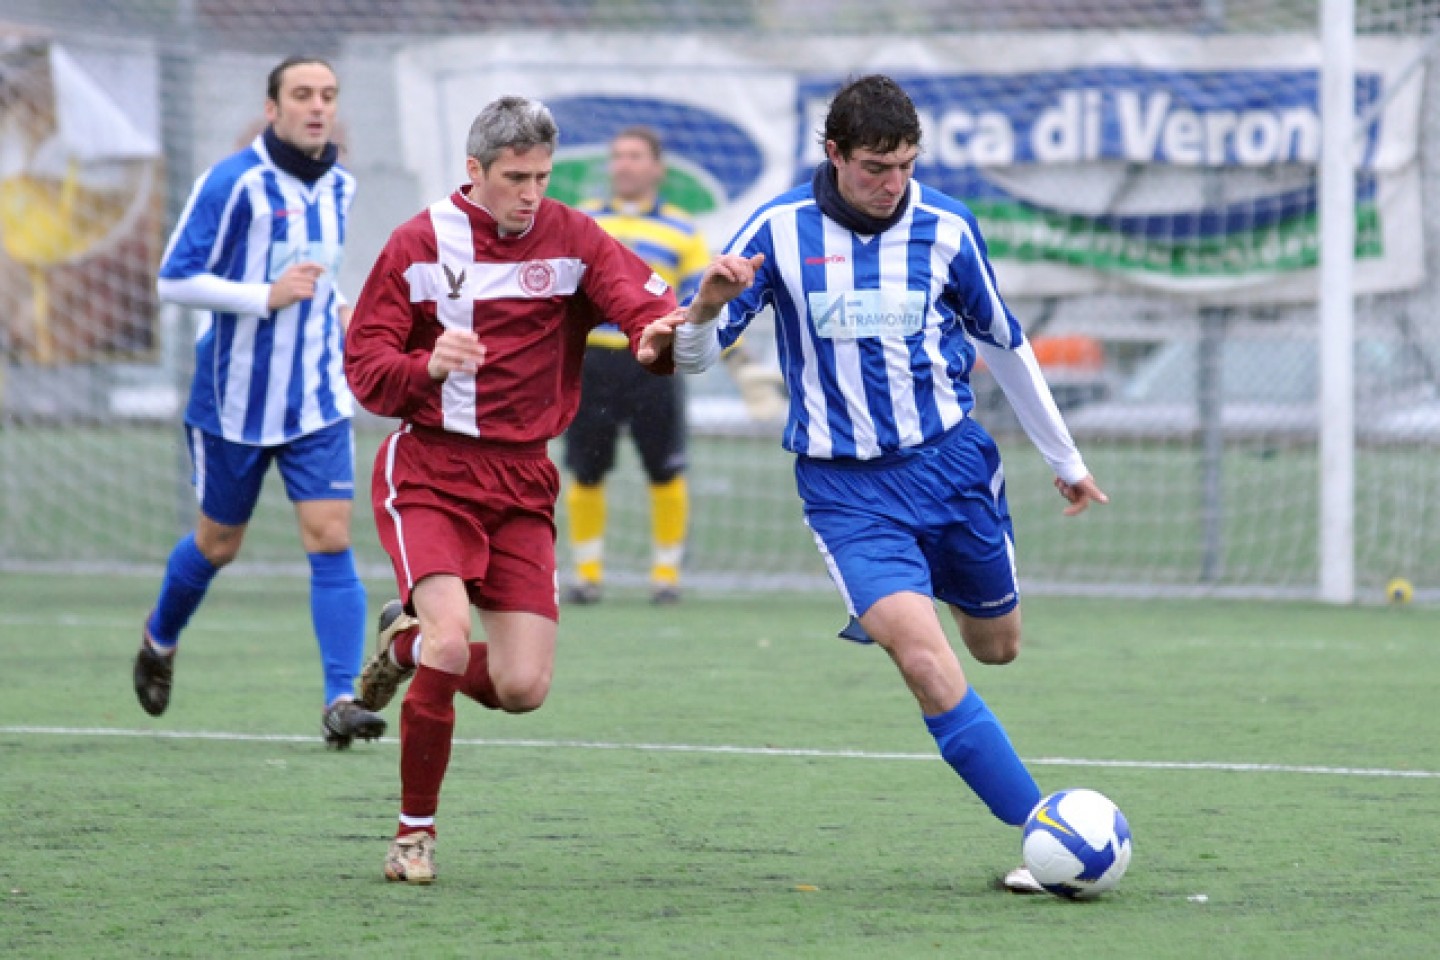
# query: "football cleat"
585,593
1020,880
153,677
665,595
382,676
345,720
411,858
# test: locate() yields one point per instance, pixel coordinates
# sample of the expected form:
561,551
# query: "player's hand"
728,276
456,351
1080,494
658,336
296,283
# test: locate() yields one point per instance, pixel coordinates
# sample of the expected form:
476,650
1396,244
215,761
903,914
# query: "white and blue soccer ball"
1077,844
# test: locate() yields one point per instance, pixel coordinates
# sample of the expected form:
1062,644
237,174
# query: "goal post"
1337,302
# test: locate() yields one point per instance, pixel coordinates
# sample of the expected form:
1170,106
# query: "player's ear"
272,110
832,150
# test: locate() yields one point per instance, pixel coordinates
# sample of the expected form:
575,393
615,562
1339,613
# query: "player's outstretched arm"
728,276
656,338
1081,494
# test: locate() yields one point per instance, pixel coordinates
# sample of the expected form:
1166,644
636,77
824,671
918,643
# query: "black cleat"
665,594
585,593
346,720
154,675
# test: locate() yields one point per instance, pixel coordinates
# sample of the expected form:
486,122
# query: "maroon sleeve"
388,377
625,290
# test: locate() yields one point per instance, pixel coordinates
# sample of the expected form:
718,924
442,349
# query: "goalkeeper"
880,284
617,392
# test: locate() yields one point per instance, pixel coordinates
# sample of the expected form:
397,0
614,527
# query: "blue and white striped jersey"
871,330
261,377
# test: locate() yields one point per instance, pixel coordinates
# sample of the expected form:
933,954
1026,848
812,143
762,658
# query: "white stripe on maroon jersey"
455,243
469,281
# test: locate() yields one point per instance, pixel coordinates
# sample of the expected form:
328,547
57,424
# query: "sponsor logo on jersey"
853,314
656,284
832,258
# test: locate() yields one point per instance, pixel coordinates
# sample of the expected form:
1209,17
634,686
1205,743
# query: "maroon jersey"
530,298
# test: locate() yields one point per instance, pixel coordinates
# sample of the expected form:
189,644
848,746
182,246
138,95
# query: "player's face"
635,171
513,186
871,182
304,114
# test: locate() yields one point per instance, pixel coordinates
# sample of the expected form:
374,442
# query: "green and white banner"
1135,161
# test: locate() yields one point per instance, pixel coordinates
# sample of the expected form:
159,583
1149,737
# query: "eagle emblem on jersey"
537,278
456,283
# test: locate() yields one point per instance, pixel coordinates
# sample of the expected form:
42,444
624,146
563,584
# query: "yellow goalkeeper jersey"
664,237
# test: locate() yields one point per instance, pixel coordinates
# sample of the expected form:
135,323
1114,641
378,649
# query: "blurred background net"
1144,171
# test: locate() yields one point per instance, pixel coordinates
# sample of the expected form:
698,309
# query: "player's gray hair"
514,122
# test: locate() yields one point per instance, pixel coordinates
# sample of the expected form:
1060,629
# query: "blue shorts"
932,521
227,475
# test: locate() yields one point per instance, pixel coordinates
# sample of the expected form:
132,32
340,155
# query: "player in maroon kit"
471,329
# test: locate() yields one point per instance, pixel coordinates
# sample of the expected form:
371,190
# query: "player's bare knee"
995,645
1000,652
220,547
522,694
330,536
922,668
445,650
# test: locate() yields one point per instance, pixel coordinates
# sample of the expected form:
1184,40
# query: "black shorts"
615,391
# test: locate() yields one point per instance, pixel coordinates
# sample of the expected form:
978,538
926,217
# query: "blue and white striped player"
258,248
876,280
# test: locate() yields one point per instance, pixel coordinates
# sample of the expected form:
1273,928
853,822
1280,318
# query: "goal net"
1145,172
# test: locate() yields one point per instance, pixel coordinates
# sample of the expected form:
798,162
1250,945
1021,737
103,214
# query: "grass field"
129,837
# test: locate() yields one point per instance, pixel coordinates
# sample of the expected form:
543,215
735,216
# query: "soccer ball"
1077,844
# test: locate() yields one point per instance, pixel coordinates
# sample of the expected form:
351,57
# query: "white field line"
732,750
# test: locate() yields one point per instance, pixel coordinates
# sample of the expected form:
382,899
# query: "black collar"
296,162
837,208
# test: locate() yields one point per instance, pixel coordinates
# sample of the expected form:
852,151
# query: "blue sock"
337,608
972,741
187,577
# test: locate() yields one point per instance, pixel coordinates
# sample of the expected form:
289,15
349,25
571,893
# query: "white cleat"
1021,880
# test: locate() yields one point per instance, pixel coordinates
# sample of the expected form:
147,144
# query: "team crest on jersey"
537,278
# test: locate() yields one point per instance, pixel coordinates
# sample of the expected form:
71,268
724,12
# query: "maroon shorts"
484,512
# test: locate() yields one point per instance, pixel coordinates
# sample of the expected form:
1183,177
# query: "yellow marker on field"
1399,591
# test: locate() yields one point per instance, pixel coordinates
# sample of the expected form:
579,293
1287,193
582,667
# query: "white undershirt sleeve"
1019,376
697,346
206,291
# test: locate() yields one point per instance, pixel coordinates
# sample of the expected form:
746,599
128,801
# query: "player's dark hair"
646,135
277,75
872,113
